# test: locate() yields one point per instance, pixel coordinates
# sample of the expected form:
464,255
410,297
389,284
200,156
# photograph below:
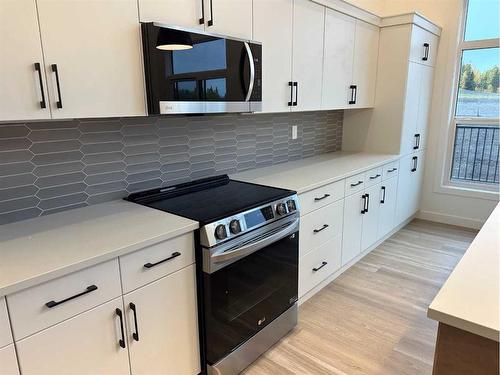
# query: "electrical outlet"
294,131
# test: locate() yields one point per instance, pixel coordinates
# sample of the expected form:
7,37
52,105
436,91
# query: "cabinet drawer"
319,226
320,197
5,333
68,296
373,177
320,263
149,264
354,184
8,361
390,170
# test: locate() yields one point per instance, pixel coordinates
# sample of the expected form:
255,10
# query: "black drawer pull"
357,183
321,198
315,269
39,70
296,85
135,335
151,265
354,94
202,19
121,342
374,177
290,103
89,289
392,170
383,198
322,228
59,100
415,161
426,52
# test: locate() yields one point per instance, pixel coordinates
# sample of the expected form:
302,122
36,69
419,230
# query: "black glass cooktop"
209,199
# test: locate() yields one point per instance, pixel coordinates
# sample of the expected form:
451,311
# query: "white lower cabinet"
88,343
387,211
371,216
165,338
353,226
318,264
8,361
409,185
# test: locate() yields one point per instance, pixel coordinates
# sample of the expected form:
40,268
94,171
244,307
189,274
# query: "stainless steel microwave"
194,72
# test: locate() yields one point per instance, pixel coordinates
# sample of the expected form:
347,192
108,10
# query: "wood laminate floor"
372,319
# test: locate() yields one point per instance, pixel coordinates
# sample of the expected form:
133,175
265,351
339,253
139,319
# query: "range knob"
234,226
291,205
220,232
281,209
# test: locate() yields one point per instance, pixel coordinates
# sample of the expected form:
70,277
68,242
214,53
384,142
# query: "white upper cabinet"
307,68
272,25
229,17
423,46
92,53
338,60
365,64
187,13
23,94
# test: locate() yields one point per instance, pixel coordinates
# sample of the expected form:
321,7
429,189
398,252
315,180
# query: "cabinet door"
307,68
167,326
5,332
22,89
353,223
338,60
85,344
424,45
387,213
411,108
409,186
424,104
187,13
229,17
8,361
96,48
370,217
365,63
273,27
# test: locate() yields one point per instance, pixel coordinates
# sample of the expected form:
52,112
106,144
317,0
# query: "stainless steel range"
247,265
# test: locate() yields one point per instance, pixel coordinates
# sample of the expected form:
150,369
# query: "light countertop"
307,174
470,298
41,249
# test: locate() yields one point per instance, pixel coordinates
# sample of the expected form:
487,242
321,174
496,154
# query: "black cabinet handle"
415,161
354,94
367,202
417,142
374,177
321,198
357,183
211,20
426,52
87,290
202,19
392,170
383,197
296,85
151,265
122,340
135,335
290,103
315,269
59,98
364,204
322,228
39,70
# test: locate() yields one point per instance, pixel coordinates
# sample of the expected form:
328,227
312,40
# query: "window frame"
470,189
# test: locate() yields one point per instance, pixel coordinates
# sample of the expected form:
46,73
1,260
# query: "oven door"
257,283
217,75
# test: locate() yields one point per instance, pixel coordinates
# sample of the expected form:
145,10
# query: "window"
474,160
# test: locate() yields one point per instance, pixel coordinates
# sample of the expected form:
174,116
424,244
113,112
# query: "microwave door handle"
252,71
254,246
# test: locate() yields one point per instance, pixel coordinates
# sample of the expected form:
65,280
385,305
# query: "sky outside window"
482,20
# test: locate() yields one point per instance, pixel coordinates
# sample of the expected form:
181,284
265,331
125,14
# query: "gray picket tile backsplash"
52,166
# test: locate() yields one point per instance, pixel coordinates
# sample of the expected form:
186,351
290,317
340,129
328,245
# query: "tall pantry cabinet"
398,122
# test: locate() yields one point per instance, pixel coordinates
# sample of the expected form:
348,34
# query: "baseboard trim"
450,219
340,271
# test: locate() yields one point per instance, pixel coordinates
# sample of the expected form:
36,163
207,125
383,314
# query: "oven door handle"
252,71
254,246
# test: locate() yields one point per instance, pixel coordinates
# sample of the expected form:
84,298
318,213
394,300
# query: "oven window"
245,296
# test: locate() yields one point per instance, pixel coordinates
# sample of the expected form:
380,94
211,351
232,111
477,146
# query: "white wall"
437,206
